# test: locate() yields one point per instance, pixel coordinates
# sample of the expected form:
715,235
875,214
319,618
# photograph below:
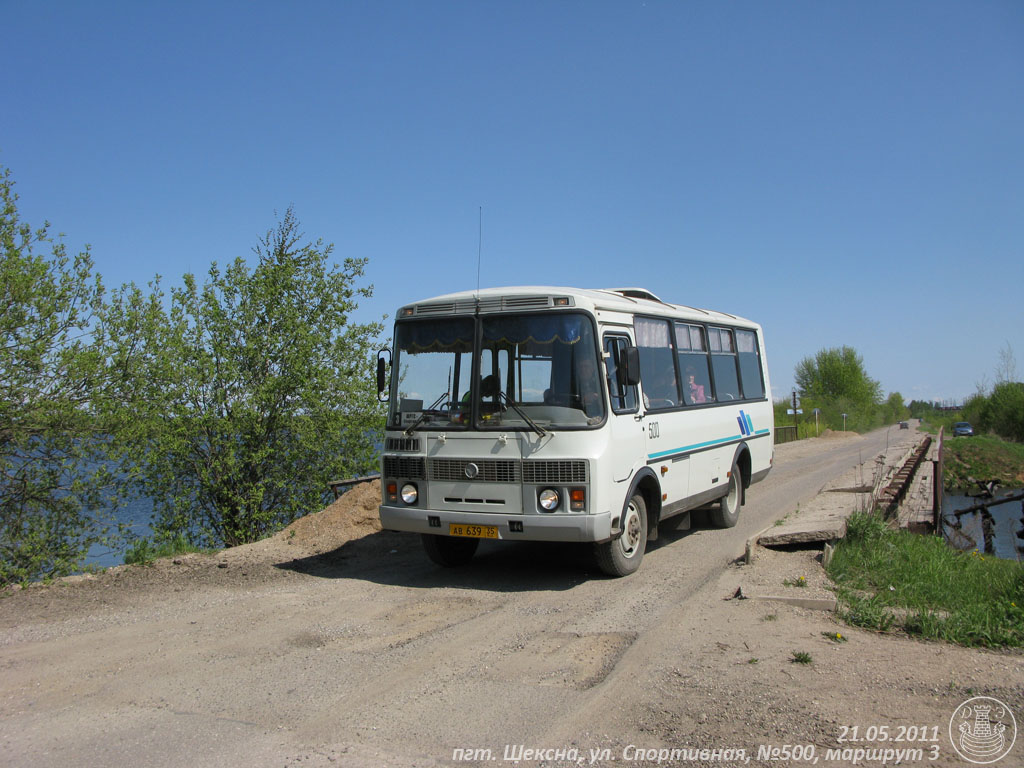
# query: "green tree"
1004,413
53,380
255,391
894,408
835,373
1001,409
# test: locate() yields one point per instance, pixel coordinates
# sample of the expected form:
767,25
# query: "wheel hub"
631,535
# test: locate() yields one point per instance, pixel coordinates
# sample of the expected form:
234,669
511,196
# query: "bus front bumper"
554,527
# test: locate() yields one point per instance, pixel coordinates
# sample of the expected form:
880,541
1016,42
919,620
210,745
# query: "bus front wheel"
622,556
727,512
449,551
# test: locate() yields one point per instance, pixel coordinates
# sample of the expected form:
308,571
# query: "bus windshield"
540,368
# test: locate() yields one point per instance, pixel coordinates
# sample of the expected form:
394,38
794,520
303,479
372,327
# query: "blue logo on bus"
746,425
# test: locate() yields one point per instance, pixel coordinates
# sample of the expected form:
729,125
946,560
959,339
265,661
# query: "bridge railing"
785,434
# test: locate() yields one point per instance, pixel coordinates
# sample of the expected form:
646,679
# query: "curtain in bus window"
651,333
657,368
750,364
536,329
449,335
682,337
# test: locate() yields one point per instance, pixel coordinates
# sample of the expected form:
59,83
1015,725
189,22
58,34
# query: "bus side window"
723,364
657,363
750,364
623,396
693,362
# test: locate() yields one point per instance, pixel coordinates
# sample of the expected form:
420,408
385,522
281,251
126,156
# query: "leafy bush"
254,392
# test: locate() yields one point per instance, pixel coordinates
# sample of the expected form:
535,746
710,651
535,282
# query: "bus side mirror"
631,366
382,373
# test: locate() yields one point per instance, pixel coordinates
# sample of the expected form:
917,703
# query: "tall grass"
145,551
898,580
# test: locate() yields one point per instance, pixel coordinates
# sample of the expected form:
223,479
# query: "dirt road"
336,644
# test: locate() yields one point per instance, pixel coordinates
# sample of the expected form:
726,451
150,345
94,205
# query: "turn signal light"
577,499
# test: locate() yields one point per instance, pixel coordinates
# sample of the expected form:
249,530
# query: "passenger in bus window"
488,388
696,391
661,391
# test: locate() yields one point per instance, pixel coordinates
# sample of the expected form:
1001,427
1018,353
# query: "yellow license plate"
473,531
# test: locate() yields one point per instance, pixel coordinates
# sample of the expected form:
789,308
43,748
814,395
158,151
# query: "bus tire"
727,512
622,556
449,551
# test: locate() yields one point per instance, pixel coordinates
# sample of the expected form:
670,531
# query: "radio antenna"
479,247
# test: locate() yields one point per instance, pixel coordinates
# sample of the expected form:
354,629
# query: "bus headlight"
410,493
548,499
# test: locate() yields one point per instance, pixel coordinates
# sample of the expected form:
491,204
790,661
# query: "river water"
136,516
998,531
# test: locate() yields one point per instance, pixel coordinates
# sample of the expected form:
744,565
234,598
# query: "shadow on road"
398,559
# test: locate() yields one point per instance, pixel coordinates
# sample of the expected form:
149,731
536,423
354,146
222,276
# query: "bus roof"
537,297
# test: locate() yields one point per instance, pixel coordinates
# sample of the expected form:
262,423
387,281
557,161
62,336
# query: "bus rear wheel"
727,512
449,551
622,556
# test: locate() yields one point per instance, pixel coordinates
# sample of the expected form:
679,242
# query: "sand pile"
352,516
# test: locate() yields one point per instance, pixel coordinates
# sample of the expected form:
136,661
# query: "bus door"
627,432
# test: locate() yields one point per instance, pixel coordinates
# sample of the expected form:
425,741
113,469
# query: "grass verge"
895,580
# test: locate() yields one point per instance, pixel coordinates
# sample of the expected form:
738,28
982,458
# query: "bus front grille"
404,466
564,471
481,471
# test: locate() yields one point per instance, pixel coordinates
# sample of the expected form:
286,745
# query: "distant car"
962,429
904,425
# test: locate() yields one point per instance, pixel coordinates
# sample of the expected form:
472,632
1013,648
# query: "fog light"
409,493
548,499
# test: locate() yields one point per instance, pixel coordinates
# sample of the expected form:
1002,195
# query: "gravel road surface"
335,643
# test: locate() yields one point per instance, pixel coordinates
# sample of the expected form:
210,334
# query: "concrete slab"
813,603
824,518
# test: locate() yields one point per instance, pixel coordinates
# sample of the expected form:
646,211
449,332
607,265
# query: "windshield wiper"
512,404
426,413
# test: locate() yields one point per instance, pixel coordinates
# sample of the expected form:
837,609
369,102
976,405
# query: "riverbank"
982,458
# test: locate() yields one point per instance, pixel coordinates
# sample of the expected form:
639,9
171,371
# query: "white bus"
561,414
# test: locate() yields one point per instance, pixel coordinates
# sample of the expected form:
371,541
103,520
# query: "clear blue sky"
844,173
